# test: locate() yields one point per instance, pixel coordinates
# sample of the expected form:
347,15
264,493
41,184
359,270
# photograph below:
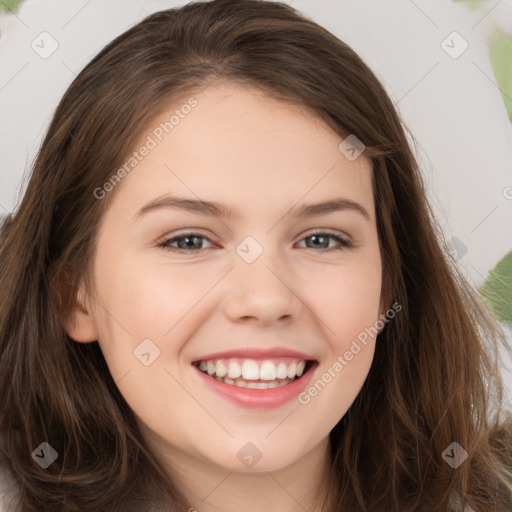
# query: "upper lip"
256,353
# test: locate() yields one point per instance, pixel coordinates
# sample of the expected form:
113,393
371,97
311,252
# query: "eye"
193,242
185,242
320,239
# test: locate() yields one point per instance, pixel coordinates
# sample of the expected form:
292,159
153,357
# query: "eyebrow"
215,209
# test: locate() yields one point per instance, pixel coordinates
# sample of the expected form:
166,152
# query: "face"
263,286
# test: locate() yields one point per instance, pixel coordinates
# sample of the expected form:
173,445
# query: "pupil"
196,245
315,238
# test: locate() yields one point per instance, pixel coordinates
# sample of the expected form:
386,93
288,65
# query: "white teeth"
234,370
267,371
292,370
282,371
221,369
250,370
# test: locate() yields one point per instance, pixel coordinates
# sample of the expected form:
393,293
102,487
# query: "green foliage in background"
9,5
497,290
501,58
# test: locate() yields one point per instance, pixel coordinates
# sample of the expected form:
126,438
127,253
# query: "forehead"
246,149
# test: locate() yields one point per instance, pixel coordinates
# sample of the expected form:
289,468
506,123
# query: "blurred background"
447,65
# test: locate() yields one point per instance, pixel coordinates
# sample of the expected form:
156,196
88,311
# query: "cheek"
346,299
151,298
143,302
347,303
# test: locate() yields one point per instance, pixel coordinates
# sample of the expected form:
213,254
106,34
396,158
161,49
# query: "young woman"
224,289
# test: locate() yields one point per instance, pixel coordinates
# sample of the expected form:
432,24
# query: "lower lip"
258,398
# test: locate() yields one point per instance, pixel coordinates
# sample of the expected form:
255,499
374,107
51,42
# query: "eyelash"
343,243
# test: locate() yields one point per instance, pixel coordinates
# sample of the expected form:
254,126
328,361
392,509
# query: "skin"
261,157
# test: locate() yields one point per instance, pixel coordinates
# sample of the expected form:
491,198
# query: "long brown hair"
434,379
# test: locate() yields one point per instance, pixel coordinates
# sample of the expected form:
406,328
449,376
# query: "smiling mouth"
254,374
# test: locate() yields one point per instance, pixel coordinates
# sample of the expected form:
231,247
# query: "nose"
262,292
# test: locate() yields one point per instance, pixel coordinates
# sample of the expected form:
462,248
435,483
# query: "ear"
80,324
